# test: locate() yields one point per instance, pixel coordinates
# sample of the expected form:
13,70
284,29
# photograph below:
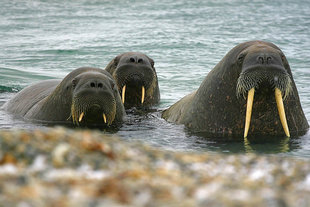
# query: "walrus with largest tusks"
225,105
86,96
136,78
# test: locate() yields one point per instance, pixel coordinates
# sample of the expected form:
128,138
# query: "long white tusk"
248,111
81,117
143,94
281,111
104,118
123,93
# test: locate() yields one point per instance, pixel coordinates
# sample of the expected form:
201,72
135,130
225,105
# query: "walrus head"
263,72
136,79
94,99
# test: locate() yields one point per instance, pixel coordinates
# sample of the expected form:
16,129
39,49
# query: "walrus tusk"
281,111
104,118
248,111
123,94
143,94
81,117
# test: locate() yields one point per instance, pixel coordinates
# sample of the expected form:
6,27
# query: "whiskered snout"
135,85
253,80
93,111
93,103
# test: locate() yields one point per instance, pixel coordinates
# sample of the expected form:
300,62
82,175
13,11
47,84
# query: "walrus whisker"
280,106
245,83
110,117
77,112
287,86
70,116
248,80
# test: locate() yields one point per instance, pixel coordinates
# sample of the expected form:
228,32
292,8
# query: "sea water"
42,40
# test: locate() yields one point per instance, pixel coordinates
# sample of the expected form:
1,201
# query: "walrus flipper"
177,112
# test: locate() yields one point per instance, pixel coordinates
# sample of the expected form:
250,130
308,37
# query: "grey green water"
47,39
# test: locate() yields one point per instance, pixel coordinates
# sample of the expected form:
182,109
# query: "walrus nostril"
260,60
96,85
140,60
132,60
269,60
264,60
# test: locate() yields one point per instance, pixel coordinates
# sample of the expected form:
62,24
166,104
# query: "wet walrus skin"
220,105
86,96
136,78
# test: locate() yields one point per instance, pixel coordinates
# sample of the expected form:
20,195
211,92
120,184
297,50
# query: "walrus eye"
283,58
241,57
151,62
74,82
112,85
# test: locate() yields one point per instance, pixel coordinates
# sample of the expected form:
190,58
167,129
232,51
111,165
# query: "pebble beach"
63,167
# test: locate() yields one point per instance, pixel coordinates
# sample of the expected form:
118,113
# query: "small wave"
11,89
63,52
12,74
13,80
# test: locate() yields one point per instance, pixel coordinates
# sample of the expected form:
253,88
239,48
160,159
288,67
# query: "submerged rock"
62,167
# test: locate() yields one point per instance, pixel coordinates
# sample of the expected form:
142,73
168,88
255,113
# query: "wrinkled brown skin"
144,66
50,101
215,109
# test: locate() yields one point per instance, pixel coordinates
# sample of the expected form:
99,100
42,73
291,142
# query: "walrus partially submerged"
218,106
136,78
86,96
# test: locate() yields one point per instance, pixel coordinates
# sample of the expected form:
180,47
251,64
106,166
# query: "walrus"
224,104
86,97
136,78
